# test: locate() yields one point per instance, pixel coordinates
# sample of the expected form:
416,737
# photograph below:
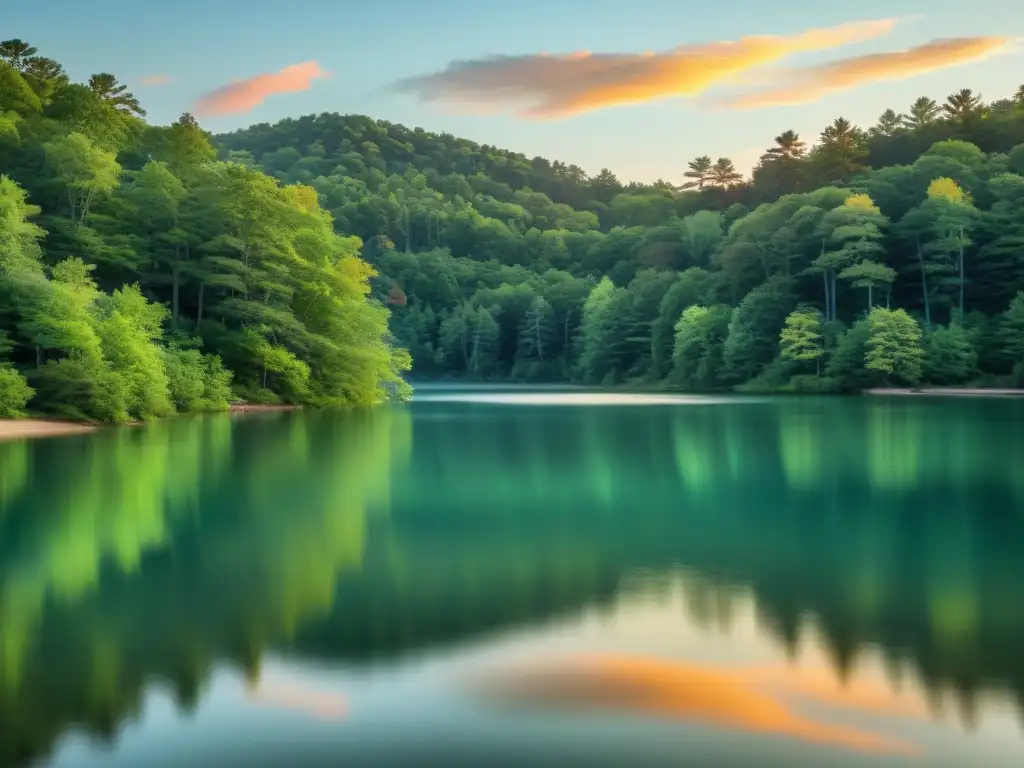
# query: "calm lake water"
528,577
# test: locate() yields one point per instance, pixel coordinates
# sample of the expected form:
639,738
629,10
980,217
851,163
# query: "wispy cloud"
550,86
811,84
241,96
154,80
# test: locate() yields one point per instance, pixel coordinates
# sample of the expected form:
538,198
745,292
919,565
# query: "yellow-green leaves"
801,337
949,190
84,169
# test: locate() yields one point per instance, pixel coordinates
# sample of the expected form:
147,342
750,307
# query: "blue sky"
205,44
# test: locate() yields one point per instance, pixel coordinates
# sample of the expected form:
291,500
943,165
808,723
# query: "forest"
140,276
891,255
147,270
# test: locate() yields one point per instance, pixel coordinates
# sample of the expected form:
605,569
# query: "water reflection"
752,700
887,533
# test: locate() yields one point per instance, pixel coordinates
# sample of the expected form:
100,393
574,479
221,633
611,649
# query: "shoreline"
23,429
27,429
257,408
945,392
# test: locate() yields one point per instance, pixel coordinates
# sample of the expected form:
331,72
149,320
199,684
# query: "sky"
640,87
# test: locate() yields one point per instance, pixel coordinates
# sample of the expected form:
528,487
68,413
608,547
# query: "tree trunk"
174,296
871,298
961,275
832,289
199,314
828,303
924,287
408,232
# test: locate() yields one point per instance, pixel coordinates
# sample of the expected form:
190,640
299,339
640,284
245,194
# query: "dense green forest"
139,276
892,255
151,269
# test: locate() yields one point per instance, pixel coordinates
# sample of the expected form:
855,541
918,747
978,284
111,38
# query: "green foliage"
152,240
14,393
304,259
1011,333
801,339
846,363
697,357
754,329
950,357
894,345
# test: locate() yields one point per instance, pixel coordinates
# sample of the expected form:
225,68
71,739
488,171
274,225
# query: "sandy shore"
24,428
254,408
946,392
19,429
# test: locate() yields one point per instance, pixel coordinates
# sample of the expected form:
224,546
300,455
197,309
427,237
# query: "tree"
754,329
781,167
870,274
702,234
840,150
44,76
787,146
962,105
83,169
536,331
890,123
854,230
484,332
700,172
16,95
700,335
1011,333
16,51
952,217
105,86
597,332
688,289
923,112
894,345
801,338
15,393
949,357
723,174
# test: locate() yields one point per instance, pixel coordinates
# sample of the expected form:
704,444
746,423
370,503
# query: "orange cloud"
244,95
547,86
813,83
739,699
156,80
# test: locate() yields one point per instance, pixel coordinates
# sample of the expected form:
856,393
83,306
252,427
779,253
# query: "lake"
521,577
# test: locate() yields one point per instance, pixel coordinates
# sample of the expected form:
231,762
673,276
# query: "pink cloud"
244,95
156,80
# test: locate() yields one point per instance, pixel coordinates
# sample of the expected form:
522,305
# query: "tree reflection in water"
137,555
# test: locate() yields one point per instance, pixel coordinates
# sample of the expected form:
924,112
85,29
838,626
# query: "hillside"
498,266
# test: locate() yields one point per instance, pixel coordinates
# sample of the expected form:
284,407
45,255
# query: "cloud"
814,82
244,95
153,80
551,86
